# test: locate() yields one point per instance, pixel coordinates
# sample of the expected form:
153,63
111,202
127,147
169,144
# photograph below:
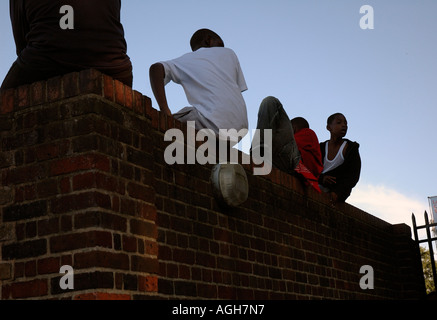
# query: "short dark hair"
332,117
200,37
299,123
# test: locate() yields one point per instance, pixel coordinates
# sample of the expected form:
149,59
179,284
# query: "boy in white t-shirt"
213,82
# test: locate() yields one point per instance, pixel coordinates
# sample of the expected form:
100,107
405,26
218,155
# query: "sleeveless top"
329,165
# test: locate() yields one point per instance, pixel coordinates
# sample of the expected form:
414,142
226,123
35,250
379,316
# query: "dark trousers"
284,150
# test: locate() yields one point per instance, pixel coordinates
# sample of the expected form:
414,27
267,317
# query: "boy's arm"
157,75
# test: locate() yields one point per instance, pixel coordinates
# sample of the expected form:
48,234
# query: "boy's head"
337,124
299,123
205,38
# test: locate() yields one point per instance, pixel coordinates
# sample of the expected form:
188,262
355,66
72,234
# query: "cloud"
391,206
388,204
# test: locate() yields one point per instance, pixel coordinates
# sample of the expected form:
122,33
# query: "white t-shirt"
213,81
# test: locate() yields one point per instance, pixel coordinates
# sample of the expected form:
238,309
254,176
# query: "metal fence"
429,239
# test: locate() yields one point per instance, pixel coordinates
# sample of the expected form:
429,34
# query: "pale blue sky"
316,59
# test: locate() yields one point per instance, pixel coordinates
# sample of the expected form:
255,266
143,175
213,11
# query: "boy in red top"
311,165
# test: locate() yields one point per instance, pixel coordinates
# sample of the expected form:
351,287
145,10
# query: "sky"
317,60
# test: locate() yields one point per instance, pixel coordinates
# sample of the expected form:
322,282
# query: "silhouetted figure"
341,161
47,48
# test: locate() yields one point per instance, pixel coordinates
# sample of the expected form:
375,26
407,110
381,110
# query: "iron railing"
429,239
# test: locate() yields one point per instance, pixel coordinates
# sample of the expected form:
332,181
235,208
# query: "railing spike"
426,218
416,236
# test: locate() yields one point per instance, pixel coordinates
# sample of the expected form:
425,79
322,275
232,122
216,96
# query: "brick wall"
84,183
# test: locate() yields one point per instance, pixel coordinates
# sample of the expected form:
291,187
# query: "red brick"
67,260
138,102
23,97
80,201
24,211
28,289
151,248
18,270
100,219
148,283
65,185
20,231
108,90
24,250
129,244
29,119
154,115
38,93
143,228
7,101
82,240
48,188
84,181
30,268
5,271
144,264
103,259
78,163
128,94
102,296
66,223
115,203
109,183
48,151
147,211
119,92
25,193
30,229
118,279
48,265
91,81
70,84
141,192
54,89
148,106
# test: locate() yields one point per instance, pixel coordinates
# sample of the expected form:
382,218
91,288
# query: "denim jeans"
285,153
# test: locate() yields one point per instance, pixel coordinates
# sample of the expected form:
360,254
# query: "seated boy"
310,166
308,144
213,82
341,161
45,50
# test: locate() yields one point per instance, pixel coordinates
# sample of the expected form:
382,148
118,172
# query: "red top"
309,149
